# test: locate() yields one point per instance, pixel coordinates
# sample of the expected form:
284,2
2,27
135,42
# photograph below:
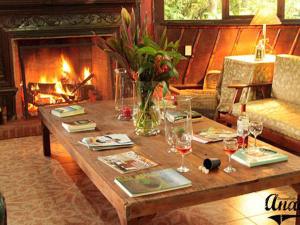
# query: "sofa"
279,112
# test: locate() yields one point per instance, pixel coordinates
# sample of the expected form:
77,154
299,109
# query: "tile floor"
41,191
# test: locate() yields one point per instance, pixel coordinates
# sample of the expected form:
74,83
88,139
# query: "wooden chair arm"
174,90
241,86
187,86
263,87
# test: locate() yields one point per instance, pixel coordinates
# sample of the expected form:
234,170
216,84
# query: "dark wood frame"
226,18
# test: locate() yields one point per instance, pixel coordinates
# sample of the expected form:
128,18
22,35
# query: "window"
250,7
225,11
193,9
292,9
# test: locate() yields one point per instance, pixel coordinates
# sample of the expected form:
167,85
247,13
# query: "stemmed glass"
170,135
256,128
183,141
230,147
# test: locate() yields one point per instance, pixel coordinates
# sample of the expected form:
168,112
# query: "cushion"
286,81
275,114
203,101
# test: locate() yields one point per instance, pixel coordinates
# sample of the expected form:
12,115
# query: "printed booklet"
127,162
152,182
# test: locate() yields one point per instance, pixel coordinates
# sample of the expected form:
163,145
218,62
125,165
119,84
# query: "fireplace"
30,29
61,70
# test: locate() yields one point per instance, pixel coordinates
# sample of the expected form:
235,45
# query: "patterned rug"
54,191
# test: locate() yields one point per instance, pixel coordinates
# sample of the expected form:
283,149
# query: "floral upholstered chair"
216,99
280,111
204,100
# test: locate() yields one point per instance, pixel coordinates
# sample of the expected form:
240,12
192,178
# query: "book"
65,111
213,135
152,182
127,162
110,141
79,125
173,116
258,157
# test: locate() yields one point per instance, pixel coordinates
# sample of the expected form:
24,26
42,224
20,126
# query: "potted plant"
150,64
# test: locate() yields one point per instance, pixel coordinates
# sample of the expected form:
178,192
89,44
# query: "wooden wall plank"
247,41
202,56
223,47
217,42
285,40
187,38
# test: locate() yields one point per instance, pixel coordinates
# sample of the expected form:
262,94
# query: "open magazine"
127,162
213,135
110,141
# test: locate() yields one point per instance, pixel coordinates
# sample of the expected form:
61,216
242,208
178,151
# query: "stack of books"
153,182
79,125
110,141
65,111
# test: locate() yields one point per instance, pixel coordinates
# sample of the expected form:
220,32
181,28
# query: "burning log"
80,85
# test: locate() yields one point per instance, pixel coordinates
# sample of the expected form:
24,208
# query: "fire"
55,86
65,67
86,73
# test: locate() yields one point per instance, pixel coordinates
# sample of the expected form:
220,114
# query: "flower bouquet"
150,64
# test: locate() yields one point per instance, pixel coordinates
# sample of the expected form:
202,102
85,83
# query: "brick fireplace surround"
45,19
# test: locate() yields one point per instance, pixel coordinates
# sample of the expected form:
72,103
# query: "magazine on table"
213,135
110,141
153,182
173,116
259,156
79,125
127,162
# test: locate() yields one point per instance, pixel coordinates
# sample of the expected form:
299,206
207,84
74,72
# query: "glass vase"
124,87
146,116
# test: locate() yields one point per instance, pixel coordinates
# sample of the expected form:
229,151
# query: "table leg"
46,140
297,189
136,221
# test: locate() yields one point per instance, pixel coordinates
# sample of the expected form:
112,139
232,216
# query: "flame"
86,73
65,66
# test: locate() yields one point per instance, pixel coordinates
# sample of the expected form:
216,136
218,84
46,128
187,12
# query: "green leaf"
165,88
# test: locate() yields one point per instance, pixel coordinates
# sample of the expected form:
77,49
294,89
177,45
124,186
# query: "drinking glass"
170,135
183,141
256,128
244,133
230,147
124,87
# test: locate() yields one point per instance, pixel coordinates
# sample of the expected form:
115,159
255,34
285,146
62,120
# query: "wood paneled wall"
212,43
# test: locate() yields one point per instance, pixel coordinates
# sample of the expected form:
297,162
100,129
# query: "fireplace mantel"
50,18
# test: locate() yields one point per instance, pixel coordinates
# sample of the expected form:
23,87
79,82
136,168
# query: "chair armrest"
174,90
239,89
187,86
241,86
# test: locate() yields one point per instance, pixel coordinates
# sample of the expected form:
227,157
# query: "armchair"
204,100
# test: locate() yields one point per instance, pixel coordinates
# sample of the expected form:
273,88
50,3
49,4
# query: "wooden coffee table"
214,186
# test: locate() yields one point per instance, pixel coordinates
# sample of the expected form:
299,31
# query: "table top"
205,187
251,59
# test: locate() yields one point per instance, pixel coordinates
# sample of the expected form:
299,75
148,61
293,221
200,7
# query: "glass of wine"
230,147
256,128
183,143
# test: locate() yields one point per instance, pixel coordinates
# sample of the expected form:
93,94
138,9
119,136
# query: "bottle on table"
243,128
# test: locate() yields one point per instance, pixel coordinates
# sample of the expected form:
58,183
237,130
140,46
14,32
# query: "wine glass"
256,128
170,135
230,147
183,141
